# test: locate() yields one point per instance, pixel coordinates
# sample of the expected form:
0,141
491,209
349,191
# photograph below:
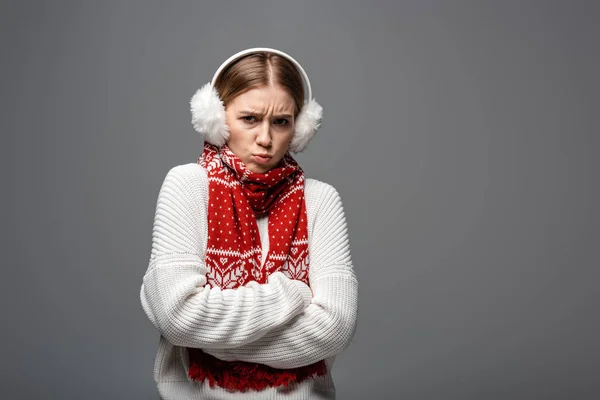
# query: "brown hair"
260,69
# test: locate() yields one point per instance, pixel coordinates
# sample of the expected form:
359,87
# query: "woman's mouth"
261,159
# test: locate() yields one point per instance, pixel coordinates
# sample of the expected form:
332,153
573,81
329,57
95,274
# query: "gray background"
462,136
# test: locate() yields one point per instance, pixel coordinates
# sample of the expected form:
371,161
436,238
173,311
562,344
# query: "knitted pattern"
233,251
236,194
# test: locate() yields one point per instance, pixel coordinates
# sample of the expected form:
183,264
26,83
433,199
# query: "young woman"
250,281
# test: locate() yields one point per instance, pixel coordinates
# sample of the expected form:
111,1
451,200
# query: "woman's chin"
260,167
257,168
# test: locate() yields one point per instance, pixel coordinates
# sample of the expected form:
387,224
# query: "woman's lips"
261,159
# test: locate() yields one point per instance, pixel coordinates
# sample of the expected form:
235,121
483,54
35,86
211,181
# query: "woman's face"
261,126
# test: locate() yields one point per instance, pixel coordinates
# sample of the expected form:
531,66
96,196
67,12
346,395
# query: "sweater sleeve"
326,327
174,293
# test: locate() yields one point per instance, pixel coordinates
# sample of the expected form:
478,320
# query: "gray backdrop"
462,136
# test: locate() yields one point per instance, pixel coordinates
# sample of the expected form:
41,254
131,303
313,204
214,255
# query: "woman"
250,281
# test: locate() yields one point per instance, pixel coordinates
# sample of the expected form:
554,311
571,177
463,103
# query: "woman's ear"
208,115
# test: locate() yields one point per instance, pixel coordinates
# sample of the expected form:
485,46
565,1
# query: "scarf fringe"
242,376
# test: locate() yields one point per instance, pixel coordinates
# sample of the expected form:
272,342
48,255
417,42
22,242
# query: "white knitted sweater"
279,323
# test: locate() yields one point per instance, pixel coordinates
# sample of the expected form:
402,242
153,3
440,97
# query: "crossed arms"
279,323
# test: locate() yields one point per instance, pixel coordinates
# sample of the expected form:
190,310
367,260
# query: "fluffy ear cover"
306,125
208,118
208,115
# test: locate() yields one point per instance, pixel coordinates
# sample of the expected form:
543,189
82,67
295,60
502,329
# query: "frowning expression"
261,126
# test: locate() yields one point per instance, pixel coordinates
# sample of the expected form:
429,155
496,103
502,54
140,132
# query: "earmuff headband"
242,53
209,117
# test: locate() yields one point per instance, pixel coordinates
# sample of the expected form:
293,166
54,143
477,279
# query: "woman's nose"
264,135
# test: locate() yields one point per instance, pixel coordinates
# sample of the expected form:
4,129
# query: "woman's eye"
281,121
249,118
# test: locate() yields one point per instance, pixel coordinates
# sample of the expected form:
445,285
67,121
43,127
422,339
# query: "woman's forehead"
264,98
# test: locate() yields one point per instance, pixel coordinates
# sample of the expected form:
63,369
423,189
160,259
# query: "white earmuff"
208,111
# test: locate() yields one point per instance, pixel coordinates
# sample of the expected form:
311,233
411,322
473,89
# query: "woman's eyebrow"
251,112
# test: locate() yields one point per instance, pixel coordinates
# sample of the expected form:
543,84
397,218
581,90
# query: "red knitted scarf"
233,253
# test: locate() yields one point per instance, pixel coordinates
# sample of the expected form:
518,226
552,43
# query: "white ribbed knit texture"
279,323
